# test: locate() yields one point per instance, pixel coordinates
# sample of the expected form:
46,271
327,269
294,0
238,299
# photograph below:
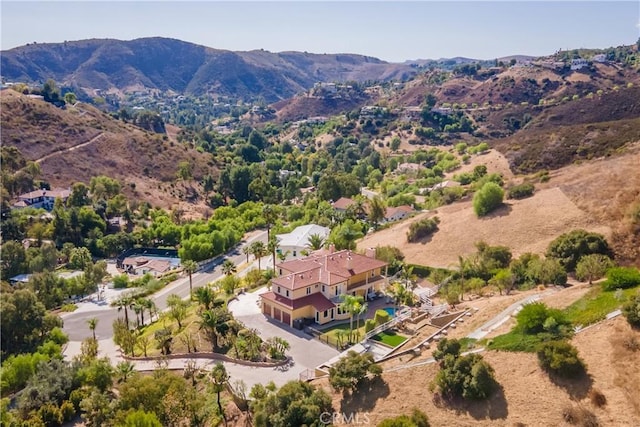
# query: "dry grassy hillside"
527,396
80,142
598,196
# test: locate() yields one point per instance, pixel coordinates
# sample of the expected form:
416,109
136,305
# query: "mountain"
174,65
76,143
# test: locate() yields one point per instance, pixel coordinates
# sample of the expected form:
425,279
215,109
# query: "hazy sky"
390,30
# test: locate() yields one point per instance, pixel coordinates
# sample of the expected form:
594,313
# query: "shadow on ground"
366,397
493,408
577,387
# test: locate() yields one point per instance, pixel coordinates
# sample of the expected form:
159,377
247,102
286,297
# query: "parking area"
306,351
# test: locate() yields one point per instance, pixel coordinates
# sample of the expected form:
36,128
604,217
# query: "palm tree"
228,267
214,322
258,250
205,296
349,304
246,250
315,242
270,216
359,309
123,304
190,267
282,256
219,377
272,245
93,323
377,210
124,370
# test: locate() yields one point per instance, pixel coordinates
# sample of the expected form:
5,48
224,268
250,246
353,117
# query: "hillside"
80,142
527,396
173,65
596,196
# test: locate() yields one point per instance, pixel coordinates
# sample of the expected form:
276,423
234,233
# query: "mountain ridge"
166,64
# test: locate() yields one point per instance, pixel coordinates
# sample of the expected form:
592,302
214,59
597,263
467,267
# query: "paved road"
75,323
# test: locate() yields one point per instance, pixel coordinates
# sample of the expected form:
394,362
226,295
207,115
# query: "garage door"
266,309
286,318
277,313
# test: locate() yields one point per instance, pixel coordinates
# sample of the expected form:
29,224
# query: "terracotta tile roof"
326,268
342,203
55,193
317,300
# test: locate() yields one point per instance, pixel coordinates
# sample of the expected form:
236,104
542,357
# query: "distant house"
313,287
399,213
297,241
342,204
601,57
20,278
578,63
440,186
141,265
409,168
41,198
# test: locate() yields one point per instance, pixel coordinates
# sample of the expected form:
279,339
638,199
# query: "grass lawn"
515,341
330,335
390,338
596,304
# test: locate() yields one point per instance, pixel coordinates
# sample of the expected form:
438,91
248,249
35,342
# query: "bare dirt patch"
523,225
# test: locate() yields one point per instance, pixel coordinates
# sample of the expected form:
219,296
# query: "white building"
601,57
578,63
292,244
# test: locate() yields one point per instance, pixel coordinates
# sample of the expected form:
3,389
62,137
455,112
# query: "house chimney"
332,248
370,252
349,262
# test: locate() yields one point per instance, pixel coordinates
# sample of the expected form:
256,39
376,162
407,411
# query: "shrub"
631,310
369,325
417,419
536,317
592,267
487,199
382,317
597,398
560,358
521,191
423,228
121,281
581,416
622,278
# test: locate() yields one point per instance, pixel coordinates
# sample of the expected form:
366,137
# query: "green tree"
219,379
377,210
351,371
190,267
621,278
214,323
570,247
93,324
80,258
205,296
296,403
487,199
177,308
535,318
13,259
350,304
70,98
395,143
142,419
560,358
593,267
23,322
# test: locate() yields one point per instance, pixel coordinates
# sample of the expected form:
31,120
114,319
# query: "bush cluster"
421,229
521,191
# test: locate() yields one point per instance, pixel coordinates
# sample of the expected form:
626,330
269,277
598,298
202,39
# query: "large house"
313,287
292,244
42,198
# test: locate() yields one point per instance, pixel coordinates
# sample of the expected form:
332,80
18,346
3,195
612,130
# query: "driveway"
306,351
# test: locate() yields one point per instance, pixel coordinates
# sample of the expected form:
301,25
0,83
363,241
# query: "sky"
394,31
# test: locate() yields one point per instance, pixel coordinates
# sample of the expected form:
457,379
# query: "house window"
295,253
372,273
323,288
279,290
287,292
326,313
308,290
280,271
337,290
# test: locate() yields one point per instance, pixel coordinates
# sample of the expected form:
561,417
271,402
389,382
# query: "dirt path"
66,150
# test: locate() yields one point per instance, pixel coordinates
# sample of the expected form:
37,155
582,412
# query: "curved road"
75,323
